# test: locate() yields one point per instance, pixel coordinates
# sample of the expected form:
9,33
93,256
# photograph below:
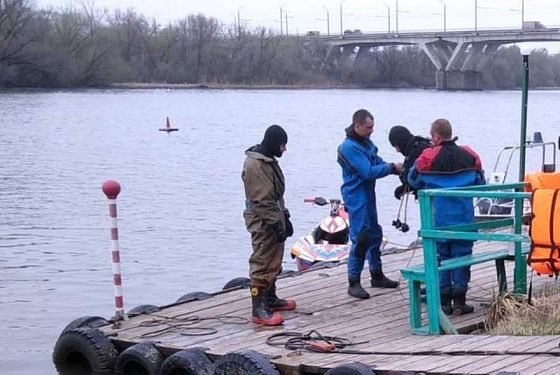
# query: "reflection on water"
180,207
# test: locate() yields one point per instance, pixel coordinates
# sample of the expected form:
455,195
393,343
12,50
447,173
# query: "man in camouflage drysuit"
267,219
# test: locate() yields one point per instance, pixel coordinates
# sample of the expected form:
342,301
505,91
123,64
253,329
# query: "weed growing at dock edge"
514,316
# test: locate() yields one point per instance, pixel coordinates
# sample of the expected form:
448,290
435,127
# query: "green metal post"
430,266
523,136
520,273
415,309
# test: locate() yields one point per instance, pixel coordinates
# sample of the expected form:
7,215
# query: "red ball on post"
111,188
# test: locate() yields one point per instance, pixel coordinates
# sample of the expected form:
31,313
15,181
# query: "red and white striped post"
111,188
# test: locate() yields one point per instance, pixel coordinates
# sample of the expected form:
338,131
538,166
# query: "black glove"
393,169
279,232
289,226
399,191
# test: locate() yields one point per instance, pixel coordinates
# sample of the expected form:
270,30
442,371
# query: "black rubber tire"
245,362
139,359
354,368
143,309
193,296
85,351
238,282
322,265
187,362
86,321
288,273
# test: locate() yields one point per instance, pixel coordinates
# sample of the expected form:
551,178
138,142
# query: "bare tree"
84,46
17,31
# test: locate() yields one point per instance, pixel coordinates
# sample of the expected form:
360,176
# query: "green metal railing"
430,234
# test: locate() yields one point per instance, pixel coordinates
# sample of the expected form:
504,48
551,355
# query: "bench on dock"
428,273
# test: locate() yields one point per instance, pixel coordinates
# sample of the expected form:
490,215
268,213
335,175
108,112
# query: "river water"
180,209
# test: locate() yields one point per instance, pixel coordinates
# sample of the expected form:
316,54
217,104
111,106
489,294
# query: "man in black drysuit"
411,146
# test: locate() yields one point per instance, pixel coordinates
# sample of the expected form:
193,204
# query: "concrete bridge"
459,56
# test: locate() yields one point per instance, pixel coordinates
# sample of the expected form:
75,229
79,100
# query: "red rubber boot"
261,313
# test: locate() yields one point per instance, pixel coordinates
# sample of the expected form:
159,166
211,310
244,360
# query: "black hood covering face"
400,136
274,137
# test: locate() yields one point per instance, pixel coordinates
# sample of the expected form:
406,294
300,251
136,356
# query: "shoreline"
327,86
215,86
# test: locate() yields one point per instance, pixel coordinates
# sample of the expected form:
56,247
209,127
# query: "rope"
401,204
400,247
315,342
400,290
405,228
312,341
184,326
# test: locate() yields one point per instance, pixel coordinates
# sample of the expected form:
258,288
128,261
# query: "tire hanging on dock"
143,358
84,351
143,309
187,362
246,362
289,273
86,321
354,368
193,296
238,282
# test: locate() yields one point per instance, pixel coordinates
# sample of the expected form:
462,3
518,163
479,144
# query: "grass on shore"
513,315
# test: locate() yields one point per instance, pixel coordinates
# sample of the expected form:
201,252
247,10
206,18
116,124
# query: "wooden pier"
379,324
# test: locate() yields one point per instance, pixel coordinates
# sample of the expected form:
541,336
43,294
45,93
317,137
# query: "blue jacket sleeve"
359,163
414,178
480,179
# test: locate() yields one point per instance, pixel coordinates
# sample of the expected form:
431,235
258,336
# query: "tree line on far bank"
84,47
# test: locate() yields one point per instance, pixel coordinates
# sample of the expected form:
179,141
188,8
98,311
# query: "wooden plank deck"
379,324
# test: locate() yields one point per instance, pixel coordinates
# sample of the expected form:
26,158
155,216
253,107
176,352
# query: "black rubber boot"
261,314
279,304
459,303
445,297
378,280
355,289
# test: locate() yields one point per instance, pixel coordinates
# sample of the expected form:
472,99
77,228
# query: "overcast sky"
366,15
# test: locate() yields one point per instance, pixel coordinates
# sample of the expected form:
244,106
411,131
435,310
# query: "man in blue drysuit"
361,167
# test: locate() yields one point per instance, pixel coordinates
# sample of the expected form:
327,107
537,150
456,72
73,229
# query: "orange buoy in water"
168,127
